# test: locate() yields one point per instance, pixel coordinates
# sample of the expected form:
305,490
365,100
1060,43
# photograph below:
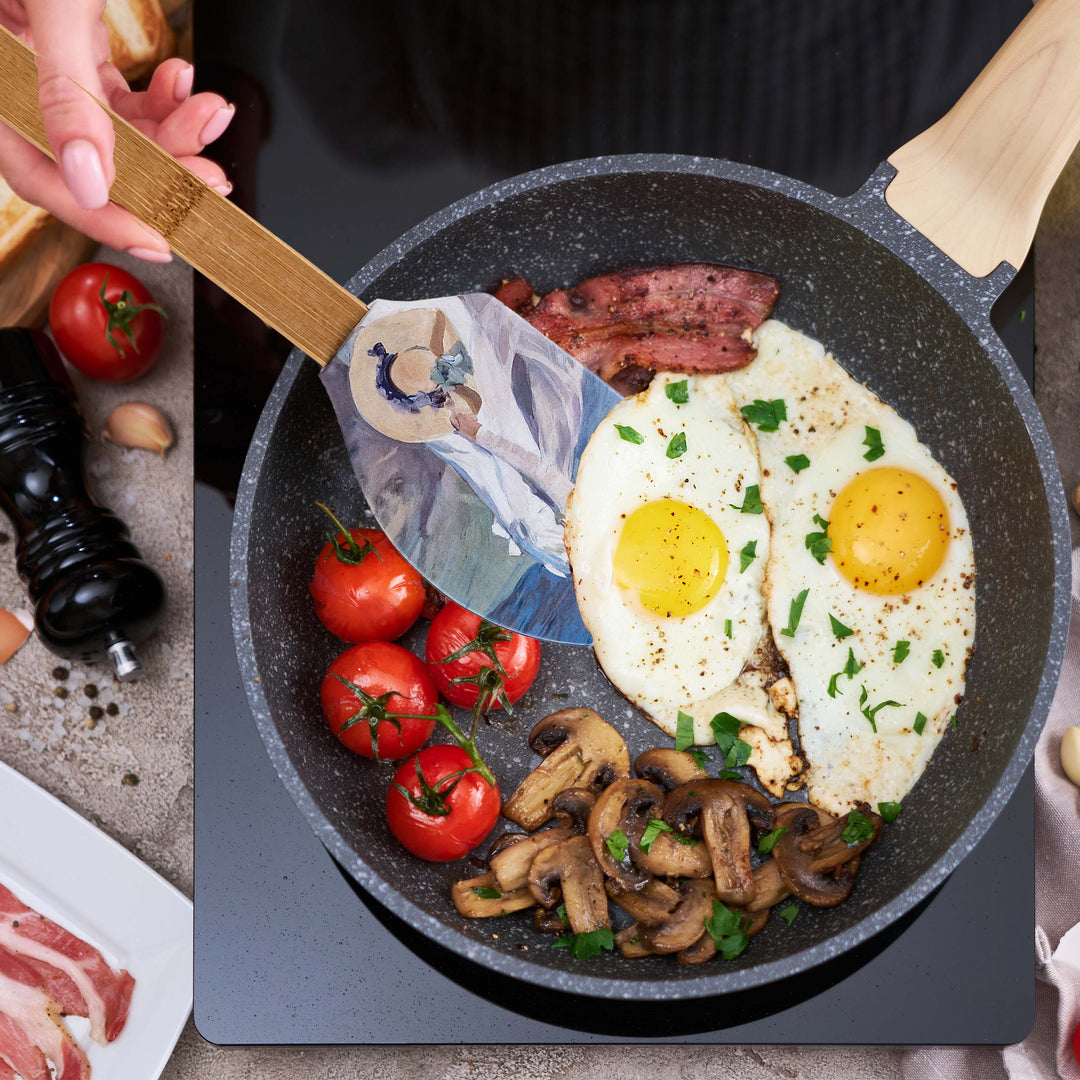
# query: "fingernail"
185,80
223,189
150,255
217,124
83,174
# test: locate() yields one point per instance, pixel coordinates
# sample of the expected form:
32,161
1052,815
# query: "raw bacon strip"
623,326
30,1028
73,971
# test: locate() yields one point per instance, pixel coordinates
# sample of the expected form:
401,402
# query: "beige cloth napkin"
1046,1054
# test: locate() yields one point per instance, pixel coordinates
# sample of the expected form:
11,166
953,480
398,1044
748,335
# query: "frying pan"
900,314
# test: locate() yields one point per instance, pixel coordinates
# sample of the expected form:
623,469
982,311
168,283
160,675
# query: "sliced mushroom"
511,865
567,870
668,768
721,811
501,843
630,943
649,906
813,858
687,921
769,887
572,808
548,922
668,856
469,898
580,750
624,807
705,947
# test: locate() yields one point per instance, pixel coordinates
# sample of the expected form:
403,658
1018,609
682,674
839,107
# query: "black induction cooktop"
354,122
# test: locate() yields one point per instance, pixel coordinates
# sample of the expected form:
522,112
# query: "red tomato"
460,643
364,590
106,322
455,806
375,688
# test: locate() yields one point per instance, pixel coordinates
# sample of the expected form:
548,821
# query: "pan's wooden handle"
234,251
975,183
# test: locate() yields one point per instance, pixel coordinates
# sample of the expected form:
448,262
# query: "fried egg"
668,542
870,580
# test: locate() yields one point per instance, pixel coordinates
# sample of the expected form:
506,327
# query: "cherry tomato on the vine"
449,806
106,322
363,589
460,644
379,700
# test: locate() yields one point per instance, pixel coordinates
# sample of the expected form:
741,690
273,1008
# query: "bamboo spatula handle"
975,183
217,238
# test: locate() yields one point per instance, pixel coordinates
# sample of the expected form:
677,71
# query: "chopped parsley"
684,731
788,913
747,555
726,928
678,392
838,628
730,774
616,845
487,892
795,614
873,440
953,724
938,658
900,651
920,723
677,446
797,462
561,912
589,944
859,828
818,543
654,828
629,434
725,729
871,713
851,669
767,842
889,811
751,503
766,414
727,627
701,759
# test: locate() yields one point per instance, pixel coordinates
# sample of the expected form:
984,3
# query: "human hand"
72,46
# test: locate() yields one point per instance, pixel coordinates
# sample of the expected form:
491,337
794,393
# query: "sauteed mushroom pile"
696,863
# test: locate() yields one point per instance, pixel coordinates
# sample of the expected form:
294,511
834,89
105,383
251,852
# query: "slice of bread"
20,222
139,35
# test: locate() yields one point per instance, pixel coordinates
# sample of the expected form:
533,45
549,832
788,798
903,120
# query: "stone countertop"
54,740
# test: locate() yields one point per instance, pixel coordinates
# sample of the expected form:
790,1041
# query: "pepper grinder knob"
94,596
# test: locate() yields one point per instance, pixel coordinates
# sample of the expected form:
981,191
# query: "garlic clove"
139,425
1070,754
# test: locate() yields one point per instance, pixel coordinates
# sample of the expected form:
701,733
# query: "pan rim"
865,211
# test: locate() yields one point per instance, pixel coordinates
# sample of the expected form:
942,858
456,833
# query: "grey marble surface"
47,739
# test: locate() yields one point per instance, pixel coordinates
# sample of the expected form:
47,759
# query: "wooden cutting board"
28,283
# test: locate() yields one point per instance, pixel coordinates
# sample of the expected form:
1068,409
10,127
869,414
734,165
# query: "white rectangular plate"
71,872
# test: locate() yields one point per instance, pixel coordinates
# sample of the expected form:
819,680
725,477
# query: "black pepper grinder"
93,595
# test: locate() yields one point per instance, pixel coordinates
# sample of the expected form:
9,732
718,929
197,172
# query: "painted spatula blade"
465,426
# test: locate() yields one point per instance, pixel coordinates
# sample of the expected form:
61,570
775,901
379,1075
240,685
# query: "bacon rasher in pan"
69,969
30,1028
623,326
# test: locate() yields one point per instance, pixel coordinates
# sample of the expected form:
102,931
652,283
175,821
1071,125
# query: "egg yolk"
673,555
889,529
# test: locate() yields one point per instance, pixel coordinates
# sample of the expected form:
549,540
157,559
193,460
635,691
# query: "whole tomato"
379,700
440,805
363,589
460,645
106,322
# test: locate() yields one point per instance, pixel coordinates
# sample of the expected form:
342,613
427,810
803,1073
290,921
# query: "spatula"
455,392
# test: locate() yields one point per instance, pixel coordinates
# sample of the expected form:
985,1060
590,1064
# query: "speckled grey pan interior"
897,313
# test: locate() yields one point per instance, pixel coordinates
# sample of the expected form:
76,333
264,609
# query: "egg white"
827,415
665,665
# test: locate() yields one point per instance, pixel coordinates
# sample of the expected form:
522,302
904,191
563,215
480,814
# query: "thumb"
71,42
